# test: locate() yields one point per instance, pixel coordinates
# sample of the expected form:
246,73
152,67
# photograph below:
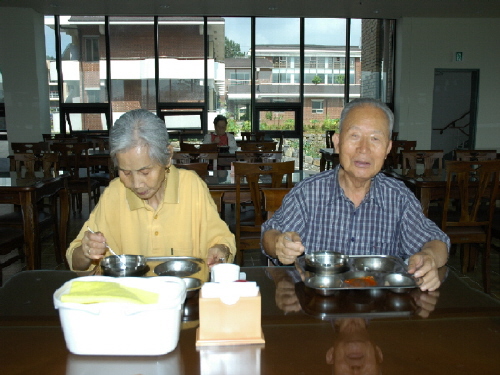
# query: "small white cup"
225,272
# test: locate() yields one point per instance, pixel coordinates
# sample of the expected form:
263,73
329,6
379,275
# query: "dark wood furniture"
27,192
259,156
475,155
11,247
451,331
394,158
199,147
273,198
429,158
200,168
329,159
470,201
261,146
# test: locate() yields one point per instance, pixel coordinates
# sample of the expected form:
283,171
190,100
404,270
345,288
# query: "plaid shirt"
389,221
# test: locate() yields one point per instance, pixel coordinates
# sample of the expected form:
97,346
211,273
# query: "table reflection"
228,360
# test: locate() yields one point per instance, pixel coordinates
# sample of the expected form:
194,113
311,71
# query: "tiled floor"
255,258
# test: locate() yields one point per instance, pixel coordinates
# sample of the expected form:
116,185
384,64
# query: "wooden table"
26,191
328,155
460,336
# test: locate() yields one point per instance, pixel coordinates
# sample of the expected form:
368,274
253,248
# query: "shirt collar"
171,195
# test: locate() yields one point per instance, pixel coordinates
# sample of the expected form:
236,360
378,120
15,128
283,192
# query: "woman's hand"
218,254
93,245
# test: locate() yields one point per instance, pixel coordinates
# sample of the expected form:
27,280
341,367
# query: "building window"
317,106
239,79
91,48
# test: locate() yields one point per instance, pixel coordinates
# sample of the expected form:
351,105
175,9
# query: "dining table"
454,330
26,191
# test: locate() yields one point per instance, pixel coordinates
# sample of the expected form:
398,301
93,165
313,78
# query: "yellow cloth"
186,221
99,291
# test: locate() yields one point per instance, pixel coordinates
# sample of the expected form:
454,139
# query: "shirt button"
156,216
352,239
156,233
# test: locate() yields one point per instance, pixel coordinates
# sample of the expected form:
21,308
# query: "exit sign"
459,56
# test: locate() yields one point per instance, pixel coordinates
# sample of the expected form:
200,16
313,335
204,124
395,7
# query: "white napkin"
230,293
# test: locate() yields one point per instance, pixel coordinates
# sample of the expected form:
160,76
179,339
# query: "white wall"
424,44
24,70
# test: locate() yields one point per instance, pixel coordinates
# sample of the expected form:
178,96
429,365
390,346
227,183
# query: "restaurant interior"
69,69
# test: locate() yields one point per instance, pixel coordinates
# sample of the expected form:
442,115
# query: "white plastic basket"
114,328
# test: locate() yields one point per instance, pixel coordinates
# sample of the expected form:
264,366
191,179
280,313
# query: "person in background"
354,209
220,136
153,208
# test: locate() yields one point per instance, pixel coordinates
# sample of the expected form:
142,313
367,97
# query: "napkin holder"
223,324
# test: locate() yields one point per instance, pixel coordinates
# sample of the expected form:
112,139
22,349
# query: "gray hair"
140,127
367,102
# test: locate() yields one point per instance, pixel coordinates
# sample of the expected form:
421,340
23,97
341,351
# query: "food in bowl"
361,282
179,267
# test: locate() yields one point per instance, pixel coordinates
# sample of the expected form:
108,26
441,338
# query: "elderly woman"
220,136
153,209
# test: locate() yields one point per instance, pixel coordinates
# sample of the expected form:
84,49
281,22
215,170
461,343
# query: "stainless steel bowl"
326,262
376,264
401,283
324,285
179,267
193,285
124,265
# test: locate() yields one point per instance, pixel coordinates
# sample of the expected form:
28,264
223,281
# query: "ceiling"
274,8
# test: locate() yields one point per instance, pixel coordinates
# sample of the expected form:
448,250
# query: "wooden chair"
273,198
429,158
258,146
329,144
475,155
200,168
259,157
217,196
470,199
25,163
394,159
198,147
73,157
211,158
36,148
11,239
256,174
253,136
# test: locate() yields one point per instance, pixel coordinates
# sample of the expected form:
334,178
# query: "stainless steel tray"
387,272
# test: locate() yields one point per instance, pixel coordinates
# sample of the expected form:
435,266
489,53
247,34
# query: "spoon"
110,249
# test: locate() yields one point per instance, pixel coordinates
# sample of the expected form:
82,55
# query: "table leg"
63,222
322,163
425,200
32,246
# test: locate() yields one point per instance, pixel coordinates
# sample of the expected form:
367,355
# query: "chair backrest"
200,168
217,196
196,157
26,160
198,147
474,186
72,157
394,158
475,155
257,174
50,164
29,147
258,146
328,138
259,157
273,198
252,136
429,158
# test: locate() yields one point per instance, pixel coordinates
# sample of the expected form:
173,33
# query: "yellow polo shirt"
186,223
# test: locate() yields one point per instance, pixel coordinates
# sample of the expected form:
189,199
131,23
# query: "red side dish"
365,281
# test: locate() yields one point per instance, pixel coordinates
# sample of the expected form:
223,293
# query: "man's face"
363,143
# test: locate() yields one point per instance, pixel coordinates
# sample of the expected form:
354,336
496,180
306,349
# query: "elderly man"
356,210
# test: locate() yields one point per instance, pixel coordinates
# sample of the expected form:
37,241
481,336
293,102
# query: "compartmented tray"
355,272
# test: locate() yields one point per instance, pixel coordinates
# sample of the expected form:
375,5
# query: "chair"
259,157
394,159
273,198
258,146
475,155
217,196
73,157
200,168
36,148
426,157
210,158
470,199
199,147
11,239
25,162
329,144
256,174
253,136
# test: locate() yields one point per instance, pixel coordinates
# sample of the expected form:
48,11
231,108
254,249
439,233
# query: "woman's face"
139,173
220,127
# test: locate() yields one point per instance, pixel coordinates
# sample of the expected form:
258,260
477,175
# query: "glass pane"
132,57
50,51
324,79
181,50
276,120
236,104
83,55
370,83
87,121
277,63
3,125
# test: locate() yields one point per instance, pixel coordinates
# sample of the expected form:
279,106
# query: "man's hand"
288,247
424,264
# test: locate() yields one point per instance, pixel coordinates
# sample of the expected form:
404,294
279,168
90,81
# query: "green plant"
316,79
331,124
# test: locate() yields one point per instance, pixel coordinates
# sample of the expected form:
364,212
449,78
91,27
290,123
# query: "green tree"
316,79
232,49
